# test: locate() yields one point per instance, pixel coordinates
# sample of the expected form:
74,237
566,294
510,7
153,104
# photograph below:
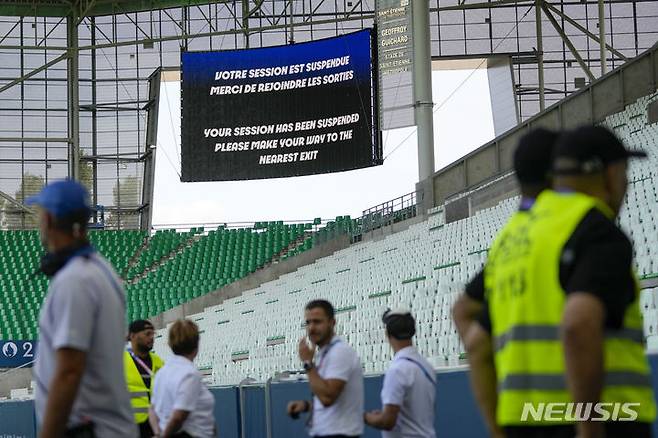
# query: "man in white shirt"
409,390
78,373
336,377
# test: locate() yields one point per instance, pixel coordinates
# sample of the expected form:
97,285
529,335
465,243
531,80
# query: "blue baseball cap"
62,198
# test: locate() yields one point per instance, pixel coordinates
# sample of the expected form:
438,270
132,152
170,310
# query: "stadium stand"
424,268
21,294
255,335
161,244
208,262
119,247
161,271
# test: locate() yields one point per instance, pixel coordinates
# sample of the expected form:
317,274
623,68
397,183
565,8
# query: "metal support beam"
483,5
602,37
292,20
245,22
73,96
137,42
223,32
569,44
422,80
84,9
94,115
34,72
540,54
584,30
34,140
15,203
146,219
257,5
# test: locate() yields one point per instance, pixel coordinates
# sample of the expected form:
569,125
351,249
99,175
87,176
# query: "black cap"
139,325
532,157
400,324
589,149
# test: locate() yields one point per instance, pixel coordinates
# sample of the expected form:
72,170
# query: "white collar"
182,360
334,340
405,352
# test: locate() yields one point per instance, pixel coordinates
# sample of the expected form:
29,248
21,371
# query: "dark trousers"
82,431
336,436
613,429
145,430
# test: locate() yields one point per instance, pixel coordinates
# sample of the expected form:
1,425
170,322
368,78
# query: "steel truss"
88,115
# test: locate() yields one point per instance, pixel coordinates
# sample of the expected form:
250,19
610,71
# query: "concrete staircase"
164,259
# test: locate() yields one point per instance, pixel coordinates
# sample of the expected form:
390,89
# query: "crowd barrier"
258,411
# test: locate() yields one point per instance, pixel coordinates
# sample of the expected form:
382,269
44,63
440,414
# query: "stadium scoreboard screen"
279,111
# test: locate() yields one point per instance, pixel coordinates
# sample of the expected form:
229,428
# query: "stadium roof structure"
79,79
88,8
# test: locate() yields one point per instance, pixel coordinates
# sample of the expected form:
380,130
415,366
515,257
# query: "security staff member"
562,301
409,390
532,162
141,365
335,377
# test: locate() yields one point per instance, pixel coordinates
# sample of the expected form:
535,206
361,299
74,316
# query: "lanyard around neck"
422,368
326,352
141,363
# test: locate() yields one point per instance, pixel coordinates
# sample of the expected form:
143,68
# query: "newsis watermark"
563,412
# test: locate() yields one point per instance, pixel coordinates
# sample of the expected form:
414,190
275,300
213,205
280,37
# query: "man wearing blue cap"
80,388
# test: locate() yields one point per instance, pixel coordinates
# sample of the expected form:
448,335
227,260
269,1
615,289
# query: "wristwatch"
308,365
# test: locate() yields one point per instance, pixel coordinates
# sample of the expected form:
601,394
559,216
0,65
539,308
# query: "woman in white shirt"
181,405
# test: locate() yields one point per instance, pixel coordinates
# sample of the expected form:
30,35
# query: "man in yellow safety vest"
140,366
566,352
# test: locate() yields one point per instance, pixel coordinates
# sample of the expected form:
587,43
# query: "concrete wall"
608,95
252,281
14,379
258,411
504,109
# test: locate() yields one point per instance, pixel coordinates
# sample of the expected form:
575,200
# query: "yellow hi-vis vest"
140,395
526,301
